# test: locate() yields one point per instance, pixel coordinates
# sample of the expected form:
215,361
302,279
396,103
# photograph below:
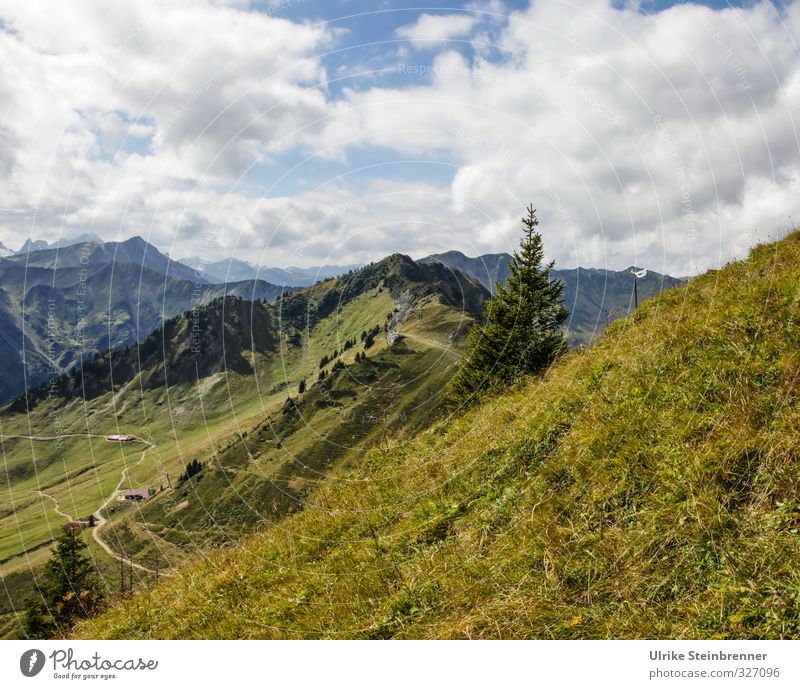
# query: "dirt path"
100,520
56,508
447,347
50,438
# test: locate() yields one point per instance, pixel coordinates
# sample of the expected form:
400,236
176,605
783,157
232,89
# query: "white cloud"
105,110
664,140
640,137
432,29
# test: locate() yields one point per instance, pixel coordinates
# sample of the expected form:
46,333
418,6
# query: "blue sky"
363,56
370,26
306,132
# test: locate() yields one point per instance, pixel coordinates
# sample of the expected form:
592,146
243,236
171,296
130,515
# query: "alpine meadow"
379,321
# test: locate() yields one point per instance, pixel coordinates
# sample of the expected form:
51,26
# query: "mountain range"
646,488
236,269
31,245
62,304
64,301
78,253
594,297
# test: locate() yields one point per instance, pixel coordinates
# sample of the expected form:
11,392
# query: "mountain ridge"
291,276
646,487
32,245
82,253
73,312
51,313
594,297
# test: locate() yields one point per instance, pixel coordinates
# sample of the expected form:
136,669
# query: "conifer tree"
522,333
68,587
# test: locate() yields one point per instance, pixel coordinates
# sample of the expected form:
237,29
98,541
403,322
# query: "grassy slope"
273,466
247,479
646,488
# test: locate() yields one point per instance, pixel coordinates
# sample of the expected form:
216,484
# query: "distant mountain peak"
236,269
593,296
31,245
398,259
137,240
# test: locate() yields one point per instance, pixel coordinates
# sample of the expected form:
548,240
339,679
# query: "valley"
225,398
645,487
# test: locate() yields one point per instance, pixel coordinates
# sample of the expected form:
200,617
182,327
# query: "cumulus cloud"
641,138
431,29
667,140
110,109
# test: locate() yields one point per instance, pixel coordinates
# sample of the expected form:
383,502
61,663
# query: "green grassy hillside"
648,487
218,389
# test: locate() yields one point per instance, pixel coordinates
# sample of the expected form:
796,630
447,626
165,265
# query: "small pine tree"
69,589
523,329
192,469
301,388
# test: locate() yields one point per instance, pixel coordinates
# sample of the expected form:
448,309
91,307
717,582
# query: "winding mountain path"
54,437
56,508
446,346
100,520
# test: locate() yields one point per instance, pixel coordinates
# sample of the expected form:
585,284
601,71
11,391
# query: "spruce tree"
68,587
522,333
